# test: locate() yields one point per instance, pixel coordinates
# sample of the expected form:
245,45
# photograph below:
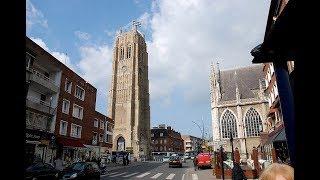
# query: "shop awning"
70,142
281,136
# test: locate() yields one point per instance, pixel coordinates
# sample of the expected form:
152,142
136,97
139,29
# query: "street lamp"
201,130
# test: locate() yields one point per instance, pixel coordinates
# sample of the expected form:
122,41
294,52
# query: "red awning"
70,142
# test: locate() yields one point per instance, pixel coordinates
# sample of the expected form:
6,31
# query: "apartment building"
78,130
43,77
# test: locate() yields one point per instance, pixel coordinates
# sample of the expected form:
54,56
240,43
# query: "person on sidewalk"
124,159
195,163
277,171
127,158
237,172
58,164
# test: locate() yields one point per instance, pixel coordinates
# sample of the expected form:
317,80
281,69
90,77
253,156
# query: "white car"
166,159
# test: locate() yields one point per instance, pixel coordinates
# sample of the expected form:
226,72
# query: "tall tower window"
253,123
228,124
121,53
128,52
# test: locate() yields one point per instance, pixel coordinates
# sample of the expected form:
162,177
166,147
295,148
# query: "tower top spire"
135,24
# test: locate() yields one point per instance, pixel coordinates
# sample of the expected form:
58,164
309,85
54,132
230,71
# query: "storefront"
70,150
40,146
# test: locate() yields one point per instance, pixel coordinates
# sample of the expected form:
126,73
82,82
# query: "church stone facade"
238,107
128,101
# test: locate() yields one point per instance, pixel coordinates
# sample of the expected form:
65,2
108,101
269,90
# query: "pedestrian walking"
124,160
127,158
195,163
58,163
237,172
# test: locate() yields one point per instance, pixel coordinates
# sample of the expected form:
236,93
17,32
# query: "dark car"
41,170
175,161
81,170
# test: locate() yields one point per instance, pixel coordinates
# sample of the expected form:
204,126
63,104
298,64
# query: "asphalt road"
160,171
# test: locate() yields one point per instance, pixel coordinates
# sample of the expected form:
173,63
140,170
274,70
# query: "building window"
65,106
161,148
109,126
100,137
79,93
101,124
228,124
75,131
165,141
253,123
161,134
152,135
95,123
161,141
63,127
95,138
68,86
121,53
156,141
129,52
108,138
29,60
77,111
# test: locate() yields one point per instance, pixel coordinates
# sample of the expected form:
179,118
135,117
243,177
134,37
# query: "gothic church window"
252,123
128,52
121,53
228,124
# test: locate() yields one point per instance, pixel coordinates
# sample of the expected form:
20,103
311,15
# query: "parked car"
41,170
165,159
204,160
175,161
81,170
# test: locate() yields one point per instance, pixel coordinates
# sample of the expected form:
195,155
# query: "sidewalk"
116,166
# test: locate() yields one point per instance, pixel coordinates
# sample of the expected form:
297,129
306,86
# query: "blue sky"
183,37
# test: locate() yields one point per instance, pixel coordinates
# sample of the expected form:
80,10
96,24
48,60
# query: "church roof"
246,78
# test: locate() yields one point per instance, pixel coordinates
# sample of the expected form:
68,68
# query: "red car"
204,160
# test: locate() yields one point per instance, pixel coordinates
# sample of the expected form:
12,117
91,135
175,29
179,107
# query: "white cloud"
34,16
40,42
96,66
82,35
188,34
65,59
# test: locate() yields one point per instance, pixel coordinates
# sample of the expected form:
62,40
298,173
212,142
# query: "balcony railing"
43,80
38,121
40,105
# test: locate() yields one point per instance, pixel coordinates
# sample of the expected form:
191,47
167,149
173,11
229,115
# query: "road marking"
170,176
156,176
131,174
183,177
118,174
108,174
142,175
113,173
194,177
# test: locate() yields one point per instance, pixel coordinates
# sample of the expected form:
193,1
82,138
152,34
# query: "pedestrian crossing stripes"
143,175
170,176
156,176
153,176
118,174
132,174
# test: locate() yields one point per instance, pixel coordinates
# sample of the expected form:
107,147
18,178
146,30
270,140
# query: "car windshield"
174,157
166,157
77,166
35,167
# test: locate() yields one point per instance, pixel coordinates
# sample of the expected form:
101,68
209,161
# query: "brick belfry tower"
129,94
